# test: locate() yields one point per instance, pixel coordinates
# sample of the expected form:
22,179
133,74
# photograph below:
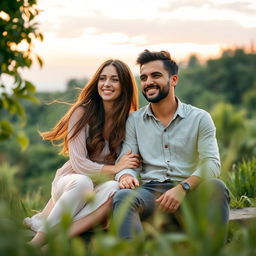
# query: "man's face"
155,81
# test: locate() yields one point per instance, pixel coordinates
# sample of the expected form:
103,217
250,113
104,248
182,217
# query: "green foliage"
242,182
231,126
142,100
203,236
18,31
231,78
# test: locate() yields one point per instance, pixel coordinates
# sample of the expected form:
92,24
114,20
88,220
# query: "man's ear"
174,80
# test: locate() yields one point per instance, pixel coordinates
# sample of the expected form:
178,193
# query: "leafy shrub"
242,183
201,238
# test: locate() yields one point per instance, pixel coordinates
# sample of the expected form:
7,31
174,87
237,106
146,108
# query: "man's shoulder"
193,110
139,113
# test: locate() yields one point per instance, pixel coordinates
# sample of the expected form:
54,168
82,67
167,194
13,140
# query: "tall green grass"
202,236
242,183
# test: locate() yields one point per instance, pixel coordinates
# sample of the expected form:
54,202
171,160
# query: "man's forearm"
193,181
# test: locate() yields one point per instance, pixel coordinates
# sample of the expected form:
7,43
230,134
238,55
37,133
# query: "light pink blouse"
79,161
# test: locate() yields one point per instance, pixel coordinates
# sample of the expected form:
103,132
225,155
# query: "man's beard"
161,95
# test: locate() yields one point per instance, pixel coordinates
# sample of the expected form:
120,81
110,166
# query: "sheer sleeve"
78,154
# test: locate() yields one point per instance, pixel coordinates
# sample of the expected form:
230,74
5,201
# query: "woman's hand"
128,161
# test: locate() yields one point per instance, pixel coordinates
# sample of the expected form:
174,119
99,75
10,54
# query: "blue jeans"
142,203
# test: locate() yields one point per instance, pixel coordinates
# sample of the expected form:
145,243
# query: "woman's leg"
47,209
82,225
91,220
38,239
71,201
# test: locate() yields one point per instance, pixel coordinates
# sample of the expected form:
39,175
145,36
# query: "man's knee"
216,186
122,195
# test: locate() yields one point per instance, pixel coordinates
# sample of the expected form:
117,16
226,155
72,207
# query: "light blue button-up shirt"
186,146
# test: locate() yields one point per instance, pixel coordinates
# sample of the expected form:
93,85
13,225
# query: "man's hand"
170,201
128,181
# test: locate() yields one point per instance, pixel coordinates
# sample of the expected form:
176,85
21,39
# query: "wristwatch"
185,186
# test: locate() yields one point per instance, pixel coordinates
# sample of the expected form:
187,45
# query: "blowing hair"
94,114
169,64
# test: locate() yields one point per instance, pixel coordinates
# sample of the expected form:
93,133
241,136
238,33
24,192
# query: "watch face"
185,185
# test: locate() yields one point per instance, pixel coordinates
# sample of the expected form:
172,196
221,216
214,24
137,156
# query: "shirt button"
166,146
164,130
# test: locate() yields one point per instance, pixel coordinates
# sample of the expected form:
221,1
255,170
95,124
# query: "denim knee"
219,186
121,195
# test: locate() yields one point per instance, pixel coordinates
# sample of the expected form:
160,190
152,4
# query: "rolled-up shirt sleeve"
208,151
78,154
130,144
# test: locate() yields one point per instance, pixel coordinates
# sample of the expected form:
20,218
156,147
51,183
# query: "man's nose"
149,81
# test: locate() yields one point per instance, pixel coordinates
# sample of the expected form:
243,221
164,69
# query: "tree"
18,31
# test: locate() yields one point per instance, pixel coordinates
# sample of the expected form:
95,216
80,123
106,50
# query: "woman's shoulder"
78,112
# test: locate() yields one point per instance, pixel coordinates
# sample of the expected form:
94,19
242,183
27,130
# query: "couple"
169,144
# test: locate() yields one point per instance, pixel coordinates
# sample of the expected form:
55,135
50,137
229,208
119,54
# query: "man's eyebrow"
156,73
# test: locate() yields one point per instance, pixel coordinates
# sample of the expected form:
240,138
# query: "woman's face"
109,87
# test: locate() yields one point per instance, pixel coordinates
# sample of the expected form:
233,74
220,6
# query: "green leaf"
6,130
29,86
22,140
40,61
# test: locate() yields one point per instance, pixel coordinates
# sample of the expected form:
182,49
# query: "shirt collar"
180,110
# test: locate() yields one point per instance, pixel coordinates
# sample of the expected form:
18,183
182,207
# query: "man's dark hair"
169,64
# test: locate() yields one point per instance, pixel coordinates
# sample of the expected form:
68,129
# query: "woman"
92,132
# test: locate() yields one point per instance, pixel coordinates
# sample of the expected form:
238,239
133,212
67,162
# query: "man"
177,144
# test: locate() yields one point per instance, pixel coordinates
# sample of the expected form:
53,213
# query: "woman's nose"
107,82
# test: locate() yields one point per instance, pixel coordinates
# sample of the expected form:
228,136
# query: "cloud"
245,7
158,31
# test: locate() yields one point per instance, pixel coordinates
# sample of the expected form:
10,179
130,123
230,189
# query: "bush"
200,238
241,182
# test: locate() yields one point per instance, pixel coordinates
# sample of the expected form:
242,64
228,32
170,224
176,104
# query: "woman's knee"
112,184
82,184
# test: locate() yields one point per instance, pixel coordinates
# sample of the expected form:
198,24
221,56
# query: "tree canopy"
18,31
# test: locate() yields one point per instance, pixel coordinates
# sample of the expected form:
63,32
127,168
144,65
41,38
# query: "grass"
202,237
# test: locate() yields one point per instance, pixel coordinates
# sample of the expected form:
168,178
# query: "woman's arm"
78,153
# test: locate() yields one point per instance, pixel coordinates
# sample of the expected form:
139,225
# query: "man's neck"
165,109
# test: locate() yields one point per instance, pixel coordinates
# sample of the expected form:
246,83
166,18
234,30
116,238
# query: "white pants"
69,196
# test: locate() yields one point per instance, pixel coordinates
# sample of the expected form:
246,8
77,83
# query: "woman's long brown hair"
94,114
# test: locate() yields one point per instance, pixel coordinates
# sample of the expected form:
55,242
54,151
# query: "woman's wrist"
109,169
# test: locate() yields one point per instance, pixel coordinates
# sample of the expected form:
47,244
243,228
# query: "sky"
80,34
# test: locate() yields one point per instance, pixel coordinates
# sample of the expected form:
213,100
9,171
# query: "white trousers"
69,195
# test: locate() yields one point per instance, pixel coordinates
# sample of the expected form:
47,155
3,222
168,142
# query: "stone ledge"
242,214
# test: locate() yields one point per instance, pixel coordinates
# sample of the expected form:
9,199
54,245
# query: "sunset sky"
80,34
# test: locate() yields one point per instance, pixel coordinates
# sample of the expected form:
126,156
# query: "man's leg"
217,197
208,207
140,202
